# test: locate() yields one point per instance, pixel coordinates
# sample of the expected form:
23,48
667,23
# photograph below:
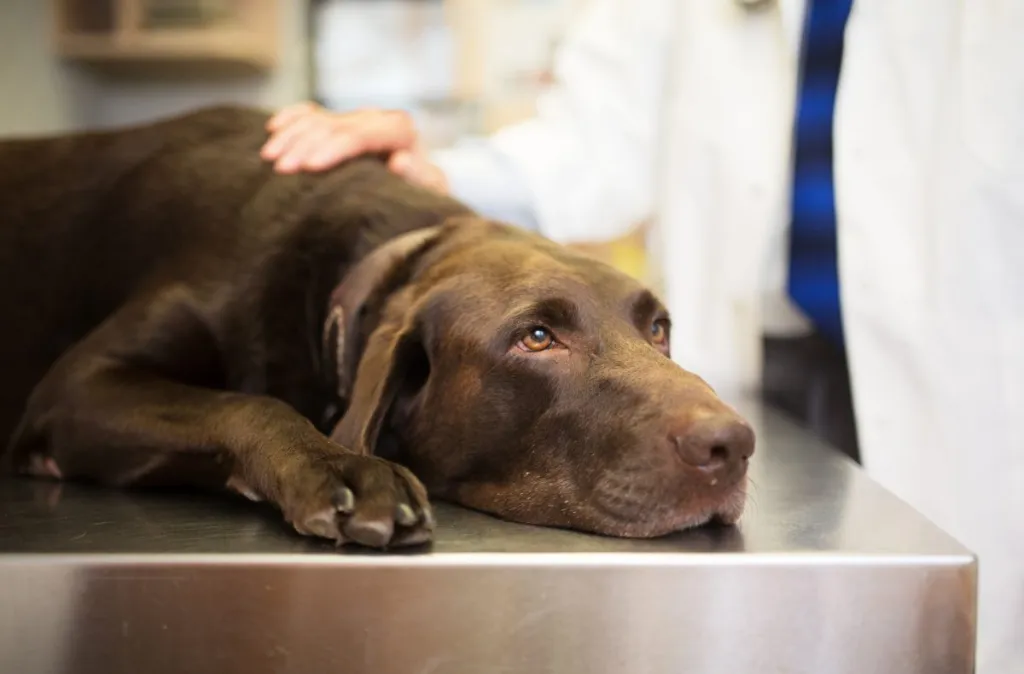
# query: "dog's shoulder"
216,120
86,163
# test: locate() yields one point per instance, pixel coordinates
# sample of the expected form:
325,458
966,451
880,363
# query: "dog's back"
86,208
90,218
78,235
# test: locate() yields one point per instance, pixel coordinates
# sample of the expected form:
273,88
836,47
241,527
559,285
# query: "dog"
344,345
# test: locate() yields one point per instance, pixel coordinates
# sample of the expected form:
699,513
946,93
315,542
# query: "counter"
827,573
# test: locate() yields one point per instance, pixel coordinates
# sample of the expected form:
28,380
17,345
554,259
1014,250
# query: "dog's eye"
537,339
659,331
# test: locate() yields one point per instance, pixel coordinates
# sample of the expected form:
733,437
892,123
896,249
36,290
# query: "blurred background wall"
46,87
462,67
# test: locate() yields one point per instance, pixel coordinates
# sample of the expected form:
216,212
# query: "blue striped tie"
813,275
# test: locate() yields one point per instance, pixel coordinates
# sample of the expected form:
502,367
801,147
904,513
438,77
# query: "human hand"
306,137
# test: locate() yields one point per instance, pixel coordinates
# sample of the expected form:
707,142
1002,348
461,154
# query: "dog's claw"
360,500
405,516
429,521
322,524
344,500
417,536
372,533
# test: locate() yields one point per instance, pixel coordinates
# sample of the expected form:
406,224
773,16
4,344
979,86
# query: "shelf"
118,32
177,46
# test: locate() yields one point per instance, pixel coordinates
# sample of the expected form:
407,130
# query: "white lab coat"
684,109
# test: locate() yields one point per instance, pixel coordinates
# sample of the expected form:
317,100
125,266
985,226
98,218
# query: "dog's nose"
714,441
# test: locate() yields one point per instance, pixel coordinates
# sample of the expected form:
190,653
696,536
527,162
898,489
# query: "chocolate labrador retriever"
340,344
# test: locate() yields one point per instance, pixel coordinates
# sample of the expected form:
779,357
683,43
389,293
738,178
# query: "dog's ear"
393,363
360,292
373,295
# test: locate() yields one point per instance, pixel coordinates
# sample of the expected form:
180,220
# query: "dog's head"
519,378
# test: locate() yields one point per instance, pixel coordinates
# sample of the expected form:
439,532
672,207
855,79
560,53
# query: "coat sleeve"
486,180
583,168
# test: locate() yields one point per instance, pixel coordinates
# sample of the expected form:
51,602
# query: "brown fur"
179,314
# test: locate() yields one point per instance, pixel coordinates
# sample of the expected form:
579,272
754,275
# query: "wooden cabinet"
240,32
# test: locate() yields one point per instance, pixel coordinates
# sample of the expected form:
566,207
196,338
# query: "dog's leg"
109,412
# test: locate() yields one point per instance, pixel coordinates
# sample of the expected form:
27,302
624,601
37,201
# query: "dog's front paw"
359,499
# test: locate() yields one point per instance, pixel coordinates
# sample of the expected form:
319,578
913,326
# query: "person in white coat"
684,110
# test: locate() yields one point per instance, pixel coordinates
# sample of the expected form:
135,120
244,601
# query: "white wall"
39,93
120,100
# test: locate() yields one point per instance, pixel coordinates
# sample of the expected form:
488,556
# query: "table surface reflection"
826,572
805,499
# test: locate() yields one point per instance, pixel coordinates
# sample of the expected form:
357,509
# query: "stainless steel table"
826,573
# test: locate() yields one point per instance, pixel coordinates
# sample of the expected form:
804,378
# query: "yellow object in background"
628,254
